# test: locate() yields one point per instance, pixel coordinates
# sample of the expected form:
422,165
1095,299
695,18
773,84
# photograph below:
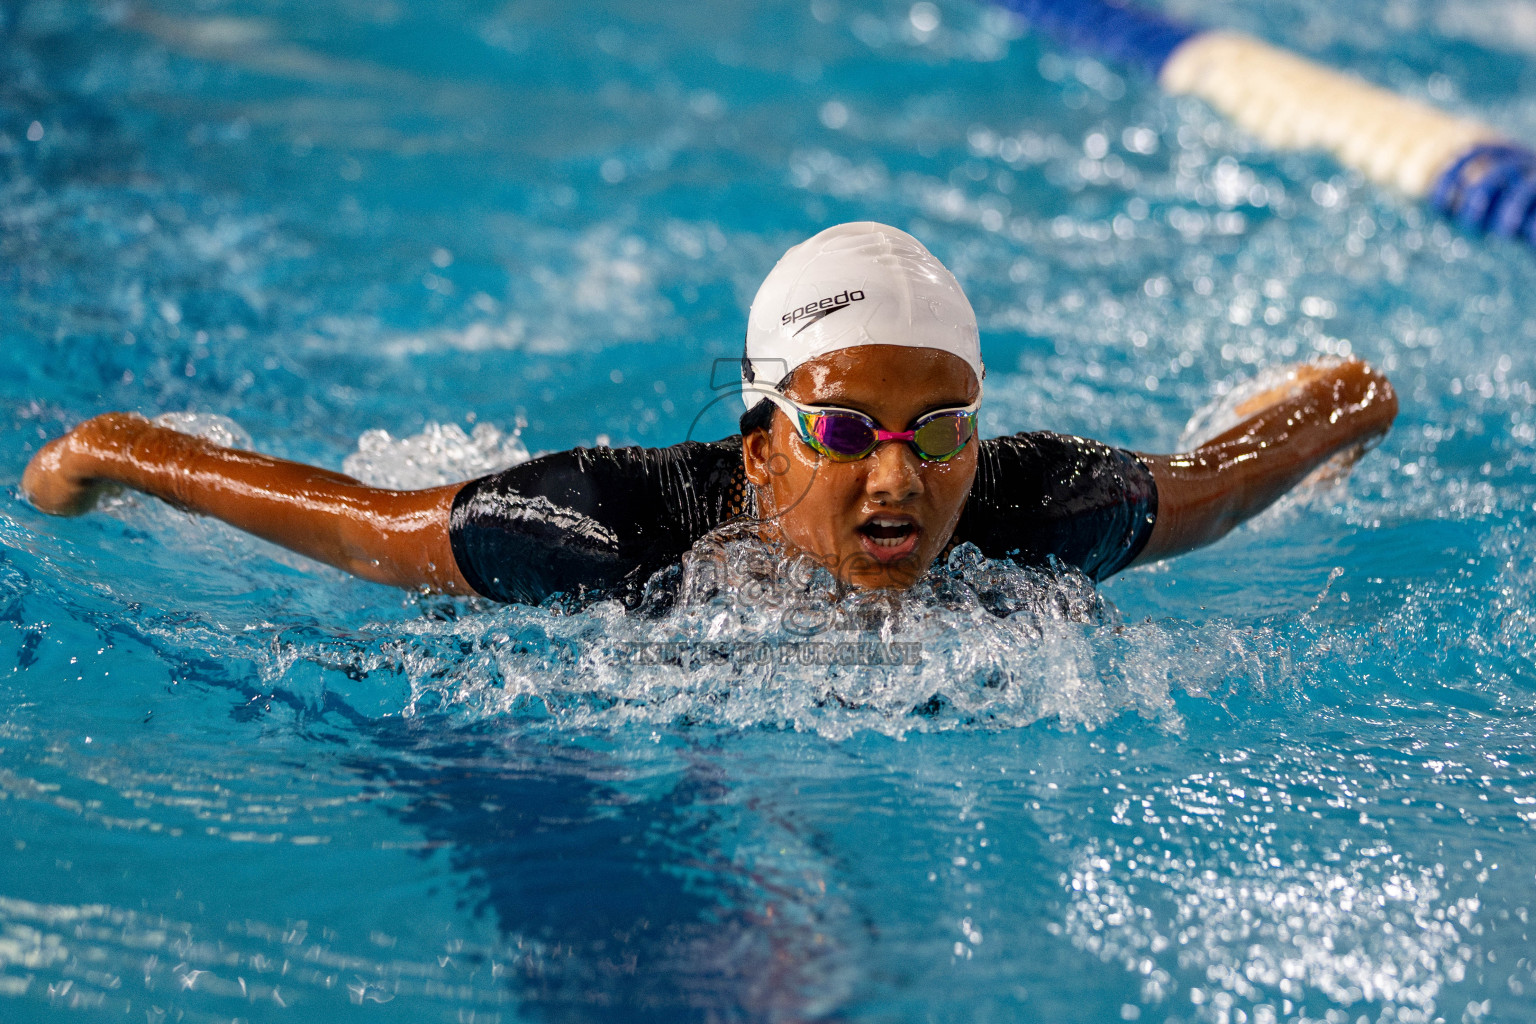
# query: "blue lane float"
1464,168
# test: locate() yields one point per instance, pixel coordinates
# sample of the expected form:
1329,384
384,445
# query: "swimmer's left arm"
1324,411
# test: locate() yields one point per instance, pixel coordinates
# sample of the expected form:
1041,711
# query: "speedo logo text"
816,310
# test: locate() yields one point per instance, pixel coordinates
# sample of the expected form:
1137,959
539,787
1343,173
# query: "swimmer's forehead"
886,379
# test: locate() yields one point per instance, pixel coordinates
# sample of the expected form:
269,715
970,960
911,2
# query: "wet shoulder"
1041,496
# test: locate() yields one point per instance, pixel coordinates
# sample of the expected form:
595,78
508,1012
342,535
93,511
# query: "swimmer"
862,377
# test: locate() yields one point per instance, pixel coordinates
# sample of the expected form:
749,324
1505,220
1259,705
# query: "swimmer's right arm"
398,538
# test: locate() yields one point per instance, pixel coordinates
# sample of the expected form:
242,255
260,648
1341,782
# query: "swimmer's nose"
895,474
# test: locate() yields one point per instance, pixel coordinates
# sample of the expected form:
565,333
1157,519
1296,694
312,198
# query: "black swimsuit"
603,520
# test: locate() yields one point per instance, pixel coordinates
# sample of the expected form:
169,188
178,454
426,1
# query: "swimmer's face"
882,520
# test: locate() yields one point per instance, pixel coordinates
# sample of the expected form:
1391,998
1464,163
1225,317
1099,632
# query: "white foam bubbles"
739,637
442,453
209,426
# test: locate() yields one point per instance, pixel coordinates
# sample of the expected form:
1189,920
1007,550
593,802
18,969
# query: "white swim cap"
854,284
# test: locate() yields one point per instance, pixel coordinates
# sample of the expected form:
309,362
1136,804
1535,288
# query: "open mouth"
889,537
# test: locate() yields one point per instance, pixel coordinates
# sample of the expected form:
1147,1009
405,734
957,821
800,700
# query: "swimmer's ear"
756,451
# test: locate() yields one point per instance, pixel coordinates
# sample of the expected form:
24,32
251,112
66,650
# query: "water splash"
441,454
738,637
209,426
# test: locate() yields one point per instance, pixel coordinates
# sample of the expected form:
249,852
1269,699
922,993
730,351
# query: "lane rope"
1462,167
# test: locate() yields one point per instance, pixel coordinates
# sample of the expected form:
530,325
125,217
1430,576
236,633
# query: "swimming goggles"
847,435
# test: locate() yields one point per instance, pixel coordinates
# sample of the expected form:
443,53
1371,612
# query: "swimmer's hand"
64,478
394,537
1322,411
1298,379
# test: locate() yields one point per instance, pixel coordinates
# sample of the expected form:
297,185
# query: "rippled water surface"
1286,778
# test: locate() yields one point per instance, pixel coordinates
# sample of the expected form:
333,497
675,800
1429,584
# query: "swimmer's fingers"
67,475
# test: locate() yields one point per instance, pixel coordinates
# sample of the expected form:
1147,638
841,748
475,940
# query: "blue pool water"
1286,778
